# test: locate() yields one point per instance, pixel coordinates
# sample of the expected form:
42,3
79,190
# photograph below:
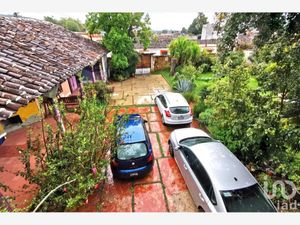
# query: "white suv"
173,108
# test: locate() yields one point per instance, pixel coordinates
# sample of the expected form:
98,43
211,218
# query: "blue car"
134,155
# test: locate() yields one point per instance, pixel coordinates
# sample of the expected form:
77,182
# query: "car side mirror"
177,148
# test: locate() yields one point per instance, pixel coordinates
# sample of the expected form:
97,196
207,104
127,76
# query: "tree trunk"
173,66
58,118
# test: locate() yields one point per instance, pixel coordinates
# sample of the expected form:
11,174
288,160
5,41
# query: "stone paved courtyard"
163,190
139,90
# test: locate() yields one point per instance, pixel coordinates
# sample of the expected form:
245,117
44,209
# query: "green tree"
184,31
184,51
122,30
69,23
220,20
197,24
269,25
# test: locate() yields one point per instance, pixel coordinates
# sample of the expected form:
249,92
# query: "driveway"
139,90
163,190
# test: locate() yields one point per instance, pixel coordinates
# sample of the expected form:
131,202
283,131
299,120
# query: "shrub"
199,108
205,61
206,116
99,90
188,72
76,160
184,86
190,96
184,50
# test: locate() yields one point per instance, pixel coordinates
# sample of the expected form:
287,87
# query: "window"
250,199
195,140
163,100
180,110
200,174
131,151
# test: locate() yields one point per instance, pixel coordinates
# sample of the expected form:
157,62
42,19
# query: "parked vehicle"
174,108
134,156
2,137
216,179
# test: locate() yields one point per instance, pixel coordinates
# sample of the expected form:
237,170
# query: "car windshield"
195,140
131,151
180,110
250,199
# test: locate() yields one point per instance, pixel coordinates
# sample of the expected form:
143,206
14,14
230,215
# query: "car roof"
184,133
223,167
133,130
175,99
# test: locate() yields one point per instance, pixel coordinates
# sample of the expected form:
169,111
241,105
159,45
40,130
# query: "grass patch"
203,80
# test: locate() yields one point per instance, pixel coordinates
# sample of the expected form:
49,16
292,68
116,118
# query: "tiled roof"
158,41
35,56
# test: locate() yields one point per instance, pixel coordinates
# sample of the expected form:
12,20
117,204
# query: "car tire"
171,150
200,209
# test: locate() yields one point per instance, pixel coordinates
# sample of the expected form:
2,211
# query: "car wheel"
171,150
200,209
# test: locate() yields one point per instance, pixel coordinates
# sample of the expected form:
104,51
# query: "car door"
162,103
203,185
189,178
159,103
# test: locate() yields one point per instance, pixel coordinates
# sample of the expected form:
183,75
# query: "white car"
173,108
216,179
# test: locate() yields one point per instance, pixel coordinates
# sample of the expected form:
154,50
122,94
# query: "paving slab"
149,198
155,145
179,199
138,90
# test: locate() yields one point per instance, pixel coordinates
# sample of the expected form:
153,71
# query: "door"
198,181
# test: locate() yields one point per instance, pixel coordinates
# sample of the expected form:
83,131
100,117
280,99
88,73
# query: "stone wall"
161,62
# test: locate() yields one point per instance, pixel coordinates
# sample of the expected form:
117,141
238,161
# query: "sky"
159,21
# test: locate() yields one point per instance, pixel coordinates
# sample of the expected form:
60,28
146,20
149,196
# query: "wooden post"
173,65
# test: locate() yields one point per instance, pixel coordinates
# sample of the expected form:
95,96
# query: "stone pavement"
139,90
163,190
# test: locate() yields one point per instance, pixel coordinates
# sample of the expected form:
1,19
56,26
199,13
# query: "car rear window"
195,140
180,110
131,151
250,199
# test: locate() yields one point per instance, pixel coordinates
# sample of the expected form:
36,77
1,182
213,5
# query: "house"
157,56
38,58
209,38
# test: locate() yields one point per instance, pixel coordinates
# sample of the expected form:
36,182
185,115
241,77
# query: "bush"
188,72
190,96
206,116
79,156
123,74
199,108
98,89
205,61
